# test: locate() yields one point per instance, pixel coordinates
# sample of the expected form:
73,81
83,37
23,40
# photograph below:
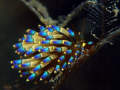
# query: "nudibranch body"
46,53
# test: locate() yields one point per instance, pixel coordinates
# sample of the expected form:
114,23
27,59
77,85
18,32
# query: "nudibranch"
46,53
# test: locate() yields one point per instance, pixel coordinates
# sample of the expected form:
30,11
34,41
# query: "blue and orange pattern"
46,53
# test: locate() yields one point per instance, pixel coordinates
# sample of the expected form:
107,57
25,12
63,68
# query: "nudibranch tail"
46,53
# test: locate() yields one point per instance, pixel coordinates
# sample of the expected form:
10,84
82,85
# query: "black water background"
100,72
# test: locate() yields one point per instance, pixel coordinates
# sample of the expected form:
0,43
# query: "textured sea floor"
100,72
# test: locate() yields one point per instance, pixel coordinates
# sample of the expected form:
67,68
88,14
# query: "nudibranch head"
46,53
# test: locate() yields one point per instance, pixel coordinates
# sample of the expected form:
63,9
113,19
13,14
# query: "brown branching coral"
104,14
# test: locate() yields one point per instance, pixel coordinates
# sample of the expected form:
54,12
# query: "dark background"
100,72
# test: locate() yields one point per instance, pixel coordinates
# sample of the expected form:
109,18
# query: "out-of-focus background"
100,72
